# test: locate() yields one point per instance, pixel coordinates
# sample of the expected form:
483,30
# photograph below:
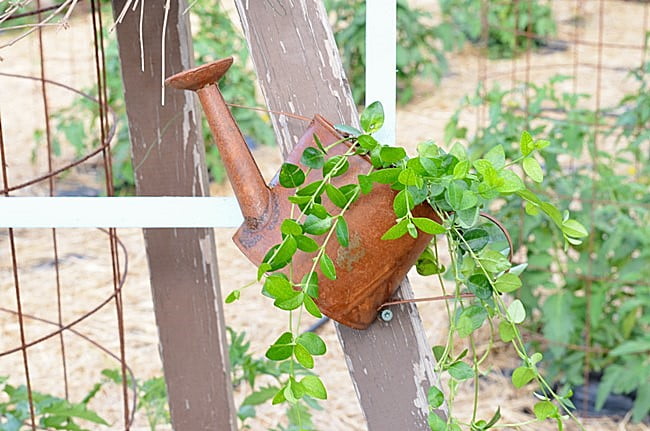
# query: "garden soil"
84,255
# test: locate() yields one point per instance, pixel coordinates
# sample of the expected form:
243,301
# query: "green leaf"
386,175
290,303
365,183
348,129
427,264
303,357
313,343
342,233
319,143
311,307
351,192
282,348
497,157
290,227
317,226
279,397
544,410
327,267
435,397
476,316
287,249
526,143
461,371
336,166
306,244
409,177
410,228
436,423
390,155
403,203
263,269
574,229
289,394
493,261
461,170
507,283
642,403
522,376
533,169
506,332
278,286
336,196
476,239
479,285
372,118
233,296
260,396
632,347
312,158
311,190
367,142
309,284
559,319
516,312
314,387
291,176
396,231
511,182
454,194
428,226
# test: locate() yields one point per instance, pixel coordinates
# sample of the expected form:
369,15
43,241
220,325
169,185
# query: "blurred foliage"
508,27
421,45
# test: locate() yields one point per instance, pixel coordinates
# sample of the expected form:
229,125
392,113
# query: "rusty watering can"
370,269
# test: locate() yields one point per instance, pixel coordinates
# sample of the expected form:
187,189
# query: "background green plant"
50,412
215,37
604,293
421,45
508,27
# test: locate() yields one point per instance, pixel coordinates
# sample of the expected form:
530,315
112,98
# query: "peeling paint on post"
300,71
168,151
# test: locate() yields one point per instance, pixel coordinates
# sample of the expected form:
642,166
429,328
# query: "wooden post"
300,71
169,155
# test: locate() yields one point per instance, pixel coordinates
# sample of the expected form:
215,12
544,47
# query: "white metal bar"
381,62
119,212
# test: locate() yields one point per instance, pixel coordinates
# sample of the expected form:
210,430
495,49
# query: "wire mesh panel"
61,294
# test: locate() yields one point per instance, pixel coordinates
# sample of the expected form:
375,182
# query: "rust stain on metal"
346,257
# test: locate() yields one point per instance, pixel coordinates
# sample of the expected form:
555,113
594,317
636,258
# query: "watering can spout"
249,186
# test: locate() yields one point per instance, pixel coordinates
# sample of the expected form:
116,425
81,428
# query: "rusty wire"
106,132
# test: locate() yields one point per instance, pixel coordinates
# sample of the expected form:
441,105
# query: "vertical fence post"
169,158
300,71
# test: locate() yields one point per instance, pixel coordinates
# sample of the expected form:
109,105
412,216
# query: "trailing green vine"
457,188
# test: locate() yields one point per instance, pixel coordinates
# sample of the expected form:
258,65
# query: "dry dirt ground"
84,257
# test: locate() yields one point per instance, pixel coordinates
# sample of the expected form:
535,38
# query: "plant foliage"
457,187
421,45
601,293
506,27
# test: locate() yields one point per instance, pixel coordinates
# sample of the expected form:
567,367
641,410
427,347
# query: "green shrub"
506,23
420,45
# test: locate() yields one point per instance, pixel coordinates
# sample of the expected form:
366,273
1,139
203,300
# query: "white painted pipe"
119,212
381,63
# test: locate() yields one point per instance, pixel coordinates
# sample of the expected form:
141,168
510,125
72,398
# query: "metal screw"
386,315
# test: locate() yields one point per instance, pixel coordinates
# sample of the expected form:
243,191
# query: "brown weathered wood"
300,71
169,155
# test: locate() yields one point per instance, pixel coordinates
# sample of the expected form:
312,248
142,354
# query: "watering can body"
369,269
